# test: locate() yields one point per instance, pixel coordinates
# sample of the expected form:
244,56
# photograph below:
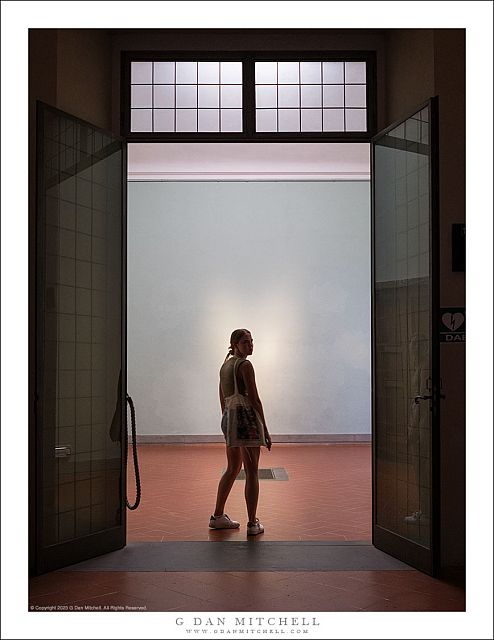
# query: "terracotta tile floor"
327,496
249,591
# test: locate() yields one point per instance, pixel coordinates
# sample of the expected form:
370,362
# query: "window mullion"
248,97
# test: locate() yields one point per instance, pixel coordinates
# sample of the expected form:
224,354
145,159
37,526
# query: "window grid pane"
311,96
186,96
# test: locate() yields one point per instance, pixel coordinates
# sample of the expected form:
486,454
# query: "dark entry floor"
251,555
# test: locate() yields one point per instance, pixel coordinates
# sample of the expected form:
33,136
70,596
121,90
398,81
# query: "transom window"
248,97
311,96
186,96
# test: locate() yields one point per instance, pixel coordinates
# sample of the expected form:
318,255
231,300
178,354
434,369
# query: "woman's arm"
251,388
222,401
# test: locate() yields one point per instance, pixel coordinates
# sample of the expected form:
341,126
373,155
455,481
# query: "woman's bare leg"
250,457
225,485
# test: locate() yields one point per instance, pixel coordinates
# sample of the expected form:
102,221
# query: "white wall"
249,161
288,260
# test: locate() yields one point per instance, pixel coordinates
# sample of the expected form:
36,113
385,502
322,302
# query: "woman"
236,363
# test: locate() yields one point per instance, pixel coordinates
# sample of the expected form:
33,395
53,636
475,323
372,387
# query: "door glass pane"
80,329
403,322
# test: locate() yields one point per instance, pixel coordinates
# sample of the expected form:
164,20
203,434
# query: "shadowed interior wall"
289,261
84,75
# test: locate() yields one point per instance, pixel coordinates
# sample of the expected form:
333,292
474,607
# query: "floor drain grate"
274,473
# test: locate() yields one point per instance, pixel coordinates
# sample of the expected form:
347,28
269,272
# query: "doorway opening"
275,238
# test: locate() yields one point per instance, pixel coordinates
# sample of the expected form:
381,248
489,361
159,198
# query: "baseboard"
334,438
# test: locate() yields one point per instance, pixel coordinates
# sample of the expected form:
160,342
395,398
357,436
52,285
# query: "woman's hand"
268,439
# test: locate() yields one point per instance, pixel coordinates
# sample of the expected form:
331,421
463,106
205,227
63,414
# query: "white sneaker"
223,522
253,528
414,518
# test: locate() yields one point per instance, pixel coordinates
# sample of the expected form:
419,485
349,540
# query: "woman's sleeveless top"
226,377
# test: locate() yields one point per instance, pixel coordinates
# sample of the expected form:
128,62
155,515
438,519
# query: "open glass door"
80,341
405,350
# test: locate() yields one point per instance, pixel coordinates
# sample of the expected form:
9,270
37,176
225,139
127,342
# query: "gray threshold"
248,555
307,438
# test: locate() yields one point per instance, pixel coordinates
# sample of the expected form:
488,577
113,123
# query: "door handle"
63,451
419,398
